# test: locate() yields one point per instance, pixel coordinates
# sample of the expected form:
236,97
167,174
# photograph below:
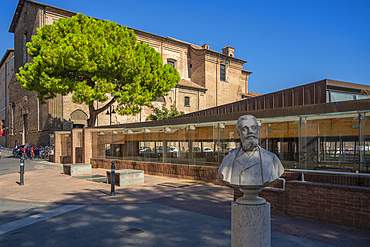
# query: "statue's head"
247,128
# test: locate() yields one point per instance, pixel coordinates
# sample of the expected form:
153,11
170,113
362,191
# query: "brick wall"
333,203
192,61
24,100
76,146
202,173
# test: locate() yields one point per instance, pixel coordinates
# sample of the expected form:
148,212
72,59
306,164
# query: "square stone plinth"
77,169
126,177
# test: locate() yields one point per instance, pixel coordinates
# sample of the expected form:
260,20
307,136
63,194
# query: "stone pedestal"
250,225
126,177
77,169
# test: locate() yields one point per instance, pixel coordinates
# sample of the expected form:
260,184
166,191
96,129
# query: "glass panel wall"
108,144
151,148
228,140
134,138
280,136
116,148
175,144
204,142
329,142
337,141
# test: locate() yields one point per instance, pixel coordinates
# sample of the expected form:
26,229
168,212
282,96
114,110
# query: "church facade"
208,78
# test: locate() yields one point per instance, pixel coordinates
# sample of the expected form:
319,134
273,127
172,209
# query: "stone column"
250,225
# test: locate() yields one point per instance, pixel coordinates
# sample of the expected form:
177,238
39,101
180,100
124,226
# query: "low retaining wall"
203,173
337,204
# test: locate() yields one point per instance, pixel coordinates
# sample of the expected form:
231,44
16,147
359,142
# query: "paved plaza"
53,209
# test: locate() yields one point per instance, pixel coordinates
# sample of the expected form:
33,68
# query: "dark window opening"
172,63
187,101
25,54
78,126
222,72
25,124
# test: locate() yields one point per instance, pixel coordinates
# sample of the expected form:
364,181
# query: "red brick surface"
332,203
202,173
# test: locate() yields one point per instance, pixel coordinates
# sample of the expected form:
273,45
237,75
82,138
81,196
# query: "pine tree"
95,61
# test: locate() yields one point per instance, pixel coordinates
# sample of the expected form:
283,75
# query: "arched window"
171,62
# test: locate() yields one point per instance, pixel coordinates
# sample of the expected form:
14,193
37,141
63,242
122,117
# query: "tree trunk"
94,113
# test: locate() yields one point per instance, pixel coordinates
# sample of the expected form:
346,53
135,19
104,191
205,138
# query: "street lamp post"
110,112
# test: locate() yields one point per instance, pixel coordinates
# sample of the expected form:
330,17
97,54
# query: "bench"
126,177
77,169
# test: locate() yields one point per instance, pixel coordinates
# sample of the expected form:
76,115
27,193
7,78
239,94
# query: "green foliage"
365,92
164,113
93,59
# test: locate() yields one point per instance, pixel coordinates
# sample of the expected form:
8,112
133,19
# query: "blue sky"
286,43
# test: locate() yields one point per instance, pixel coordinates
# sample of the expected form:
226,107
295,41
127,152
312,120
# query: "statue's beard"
250,142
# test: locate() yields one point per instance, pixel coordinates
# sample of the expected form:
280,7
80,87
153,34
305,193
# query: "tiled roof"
251,94
190,84
8,51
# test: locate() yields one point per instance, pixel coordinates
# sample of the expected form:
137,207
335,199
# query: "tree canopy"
94,60
164,112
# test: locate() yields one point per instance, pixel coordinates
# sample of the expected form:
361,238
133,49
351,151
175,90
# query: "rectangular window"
340,96
222,72
172,63
187,101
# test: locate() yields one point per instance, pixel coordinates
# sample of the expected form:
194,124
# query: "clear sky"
286,42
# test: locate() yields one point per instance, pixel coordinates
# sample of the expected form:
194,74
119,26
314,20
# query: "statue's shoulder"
266,152
235,150
232,153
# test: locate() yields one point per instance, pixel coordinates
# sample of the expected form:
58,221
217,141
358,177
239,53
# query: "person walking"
28,150
33,152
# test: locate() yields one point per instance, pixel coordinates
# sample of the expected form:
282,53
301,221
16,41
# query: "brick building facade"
208,79
6,73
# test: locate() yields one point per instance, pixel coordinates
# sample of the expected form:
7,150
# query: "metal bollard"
22,171
113,171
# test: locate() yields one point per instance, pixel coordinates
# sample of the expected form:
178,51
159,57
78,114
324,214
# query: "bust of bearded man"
250,166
